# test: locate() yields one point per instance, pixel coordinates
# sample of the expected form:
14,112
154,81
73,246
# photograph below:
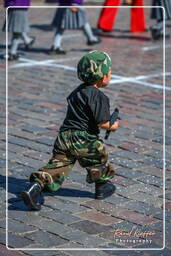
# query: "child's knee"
100,173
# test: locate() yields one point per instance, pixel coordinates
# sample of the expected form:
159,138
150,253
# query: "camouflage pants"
70,146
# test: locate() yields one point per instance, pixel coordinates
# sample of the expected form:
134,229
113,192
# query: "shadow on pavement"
17,185
72,193
45,27
131,37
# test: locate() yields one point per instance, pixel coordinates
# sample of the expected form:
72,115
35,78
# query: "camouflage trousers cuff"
100,173
46,181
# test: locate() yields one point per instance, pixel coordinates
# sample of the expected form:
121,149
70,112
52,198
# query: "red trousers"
108,16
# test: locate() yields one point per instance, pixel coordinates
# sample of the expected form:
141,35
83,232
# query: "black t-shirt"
87,107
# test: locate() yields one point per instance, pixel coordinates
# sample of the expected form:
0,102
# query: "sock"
57,39
26,38
89,33
16,40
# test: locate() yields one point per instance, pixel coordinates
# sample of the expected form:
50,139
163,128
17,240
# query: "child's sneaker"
103,190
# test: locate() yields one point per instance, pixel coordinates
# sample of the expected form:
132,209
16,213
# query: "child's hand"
74,9
115,126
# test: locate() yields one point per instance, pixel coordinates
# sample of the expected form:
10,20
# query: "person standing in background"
18,25
71,18
157,14
108,15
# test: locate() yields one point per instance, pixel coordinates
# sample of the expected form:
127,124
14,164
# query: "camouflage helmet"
93,66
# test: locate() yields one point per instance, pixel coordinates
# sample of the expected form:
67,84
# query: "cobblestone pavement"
38,84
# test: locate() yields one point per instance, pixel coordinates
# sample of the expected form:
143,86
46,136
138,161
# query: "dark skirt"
157,13
17,21
66,19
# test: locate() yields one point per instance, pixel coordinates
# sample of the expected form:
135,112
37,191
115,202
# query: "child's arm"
107,126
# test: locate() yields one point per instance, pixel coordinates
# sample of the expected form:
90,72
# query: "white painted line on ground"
115,79
137,80
29,63
62,66
154,47
75,35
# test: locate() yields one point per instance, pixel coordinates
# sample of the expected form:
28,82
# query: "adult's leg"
91,38
108,15
15,42
137,17
56,45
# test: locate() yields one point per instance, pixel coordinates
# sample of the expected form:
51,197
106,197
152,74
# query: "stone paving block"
142,207
86,253
26,217
153,171
132,189
59,216
129,173
165,252
146,198
65,205
52,227
135,217
128,155
5,252
90,227
45,253
23,134
46,141
16,241
115,252
127,163
103,206
93,215
85,239
28,161
168,205
30,144
152,180
117,200
37,155
20,172
16,226
46,238
122,181
134,147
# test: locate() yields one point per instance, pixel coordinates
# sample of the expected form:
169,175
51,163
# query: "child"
71,18
88,110
18,25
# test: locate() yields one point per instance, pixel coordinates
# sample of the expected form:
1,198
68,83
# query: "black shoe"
56,51
104,30
29,45
103,190
11,56
94,41
156,33
32,197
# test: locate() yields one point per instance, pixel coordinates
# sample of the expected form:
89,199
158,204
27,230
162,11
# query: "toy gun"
113,118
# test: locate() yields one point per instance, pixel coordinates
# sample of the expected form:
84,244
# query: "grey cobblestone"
46,239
